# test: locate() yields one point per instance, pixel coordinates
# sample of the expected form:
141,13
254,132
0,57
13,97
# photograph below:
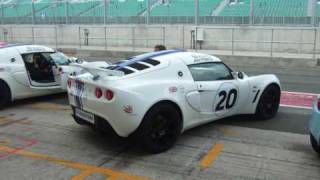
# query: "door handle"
200,90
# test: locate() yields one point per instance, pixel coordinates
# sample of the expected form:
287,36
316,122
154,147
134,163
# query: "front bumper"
314,124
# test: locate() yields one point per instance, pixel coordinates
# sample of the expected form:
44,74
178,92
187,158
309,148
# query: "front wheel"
269,103
160,128
314,144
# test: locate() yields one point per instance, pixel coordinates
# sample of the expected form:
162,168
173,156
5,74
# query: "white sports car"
32,70
156,96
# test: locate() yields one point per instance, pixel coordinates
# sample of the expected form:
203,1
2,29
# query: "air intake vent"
125,70
152,62
138,66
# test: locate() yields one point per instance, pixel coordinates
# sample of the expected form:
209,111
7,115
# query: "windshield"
58,58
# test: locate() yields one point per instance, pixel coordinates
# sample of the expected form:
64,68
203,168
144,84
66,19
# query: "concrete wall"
288,40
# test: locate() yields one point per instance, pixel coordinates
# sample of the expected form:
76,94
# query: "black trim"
255,97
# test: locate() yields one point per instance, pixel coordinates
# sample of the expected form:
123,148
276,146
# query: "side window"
212,71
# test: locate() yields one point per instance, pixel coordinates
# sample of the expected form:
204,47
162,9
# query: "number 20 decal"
226,97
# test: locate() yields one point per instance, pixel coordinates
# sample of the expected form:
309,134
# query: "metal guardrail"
232,40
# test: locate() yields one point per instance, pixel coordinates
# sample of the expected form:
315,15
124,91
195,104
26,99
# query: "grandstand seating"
126,8
277,8
184,8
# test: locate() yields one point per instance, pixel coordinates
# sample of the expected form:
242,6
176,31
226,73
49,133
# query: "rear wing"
98,71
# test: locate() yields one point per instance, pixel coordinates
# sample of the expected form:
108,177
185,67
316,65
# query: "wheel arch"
167,101
265,87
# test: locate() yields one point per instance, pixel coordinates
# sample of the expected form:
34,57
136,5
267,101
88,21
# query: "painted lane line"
298,107
209,158
85,168
301,93
28,143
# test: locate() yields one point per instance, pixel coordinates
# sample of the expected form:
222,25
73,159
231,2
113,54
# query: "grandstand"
158,8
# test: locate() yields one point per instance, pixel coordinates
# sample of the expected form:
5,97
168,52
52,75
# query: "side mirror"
238,75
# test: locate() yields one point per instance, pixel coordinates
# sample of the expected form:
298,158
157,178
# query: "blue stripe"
144,57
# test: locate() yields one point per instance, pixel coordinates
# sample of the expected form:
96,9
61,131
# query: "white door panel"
193,99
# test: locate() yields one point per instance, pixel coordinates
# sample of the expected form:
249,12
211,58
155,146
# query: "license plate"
79,93
84,115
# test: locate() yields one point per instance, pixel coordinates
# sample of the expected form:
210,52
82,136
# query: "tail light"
98,93
69,83
318,104
109,94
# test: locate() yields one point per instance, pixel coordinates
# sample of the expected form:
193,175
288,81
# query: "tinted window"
59,58
210,72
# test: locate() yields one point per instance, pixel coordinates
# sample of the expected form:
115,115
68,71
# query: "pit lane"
40,140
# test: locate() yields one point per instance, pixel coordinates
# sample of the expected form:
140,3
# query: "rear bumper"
314,124
112,113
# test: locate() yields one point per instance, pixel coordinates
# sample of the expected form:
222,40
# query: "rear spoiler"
97,71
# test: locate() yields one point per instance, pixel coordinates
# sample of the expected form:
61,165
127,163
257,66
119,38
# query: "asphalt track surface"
40,140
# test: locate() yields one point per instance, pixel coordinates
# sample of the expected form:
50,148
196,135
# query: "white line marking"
299,107
301,93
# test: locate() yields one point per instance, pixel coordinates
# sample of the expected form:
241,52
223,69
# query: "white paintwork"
143,89
15,75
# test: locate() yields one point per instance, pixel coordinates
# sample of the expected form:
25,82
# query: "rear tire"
314,144
5,95
160,128
268,105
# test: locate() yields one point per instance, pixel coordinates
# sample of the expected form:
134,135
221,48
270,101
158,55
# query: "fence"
247,12
255,41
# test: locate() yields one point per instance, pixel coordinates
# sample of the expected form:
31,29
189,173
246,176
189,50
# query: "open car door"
41,70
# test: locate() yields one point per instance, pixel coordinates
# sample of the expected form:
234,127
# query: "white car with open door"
157,96
32,70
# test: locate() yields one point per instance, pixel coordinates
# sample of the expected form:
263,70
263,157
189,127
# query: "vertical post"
32,34
271,43
133,37
232,41
105,12
32,13
11,32
314,13
148,11
56,36
196,12
195,39
1,13
300,39
315,43
182,36
105,38
66,11
251,12
79,35
164,35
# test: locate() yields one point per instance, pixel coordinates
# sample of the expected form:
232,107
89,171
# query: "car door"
220,94
39,79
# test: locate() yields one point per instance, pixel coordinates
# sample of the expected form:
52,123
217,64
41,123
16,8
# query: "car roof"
27,48
189,57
